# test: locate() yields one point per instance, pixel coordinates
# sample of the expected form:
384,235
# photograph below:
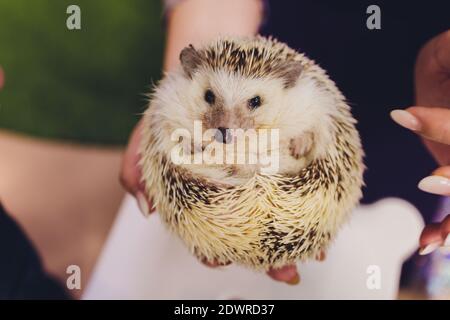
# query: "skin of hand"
431,120
189,22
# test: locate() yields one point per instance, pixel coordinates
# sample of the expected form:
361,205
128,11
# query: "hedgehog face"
235,102
242,87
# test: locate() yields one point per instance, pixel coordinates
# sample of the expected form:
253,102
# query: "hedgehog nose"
223,135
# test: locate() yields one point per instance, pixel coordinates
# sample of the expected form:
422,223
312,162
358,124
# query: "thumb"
431,123
130,175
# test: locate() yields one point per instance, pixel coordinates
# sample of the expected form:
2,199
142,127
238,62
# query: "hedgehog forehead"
234,88
253,59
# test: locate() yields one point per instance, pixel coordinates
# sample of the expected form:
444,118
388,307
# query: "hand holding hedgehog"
236,212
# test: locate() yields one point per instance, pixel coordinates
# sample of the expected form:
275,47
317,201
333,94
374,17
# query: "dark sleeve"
21,273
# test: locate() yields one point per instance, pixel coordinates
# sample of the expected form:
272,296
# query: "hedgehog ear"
190,60
290,72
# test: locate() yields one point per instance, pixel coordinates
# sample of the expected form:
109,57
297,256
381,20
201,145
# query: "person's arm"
195,22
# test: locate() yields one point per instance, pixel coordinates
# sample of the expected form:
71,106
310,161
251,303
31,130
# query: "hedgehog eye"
210,97
254,102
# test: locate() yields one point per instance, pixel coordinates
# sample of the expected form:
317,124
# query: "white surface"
142,260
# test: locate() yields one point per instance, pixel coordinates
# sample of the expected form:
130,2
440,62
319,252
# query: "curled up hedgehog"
242,212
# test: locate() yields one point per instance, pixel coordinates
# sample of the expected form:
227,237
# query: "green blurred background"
85,85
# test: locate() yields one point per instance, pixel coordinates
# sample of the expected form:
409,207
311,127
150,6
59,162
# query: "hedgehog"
239,212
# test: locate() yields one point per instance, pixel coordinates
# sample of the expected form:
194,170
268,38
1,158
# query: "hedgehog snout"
223,135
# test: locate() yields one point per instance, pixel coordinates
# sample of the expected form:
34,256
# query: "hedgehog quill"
235,211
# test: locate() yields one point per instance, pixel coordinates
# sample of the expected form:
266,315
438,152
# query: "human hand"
432,85
432,122
130,174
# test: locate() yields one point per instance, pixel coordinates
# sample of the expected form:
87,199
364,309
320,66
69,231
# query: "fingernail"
435,184
429,248
142,204
447,241
295,280
405,119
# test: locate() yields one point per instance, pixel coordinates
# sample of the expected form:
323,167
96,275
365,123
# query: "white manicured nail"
142,204
429,248
435,184
405,119
447,241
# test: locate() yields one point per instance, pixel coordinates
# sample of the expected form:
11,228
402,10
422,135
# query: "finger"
438,182
440,151
435,184
130,172
431,123
442,172
287,274
445,231
430,239
130,175
441,51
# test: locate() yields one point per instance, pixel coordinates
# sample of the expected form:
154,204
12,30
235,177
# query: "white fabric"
142,260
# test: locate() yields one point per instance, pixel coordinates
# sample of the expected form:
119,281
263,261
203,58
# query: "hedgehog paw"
300,146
